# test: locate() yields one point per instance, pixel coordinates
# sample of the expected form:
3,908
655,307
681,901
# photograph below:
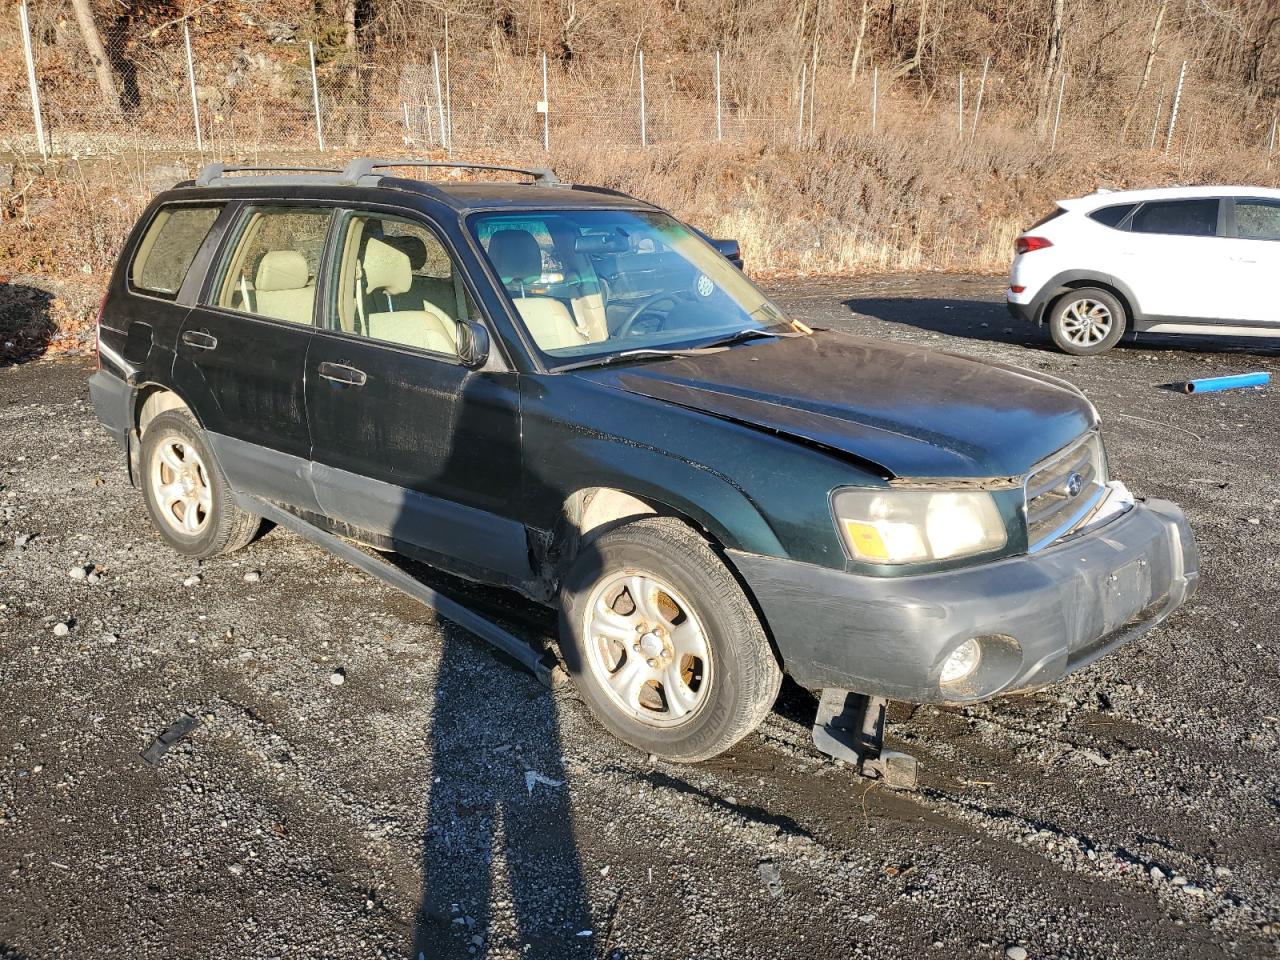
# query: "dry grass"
911,196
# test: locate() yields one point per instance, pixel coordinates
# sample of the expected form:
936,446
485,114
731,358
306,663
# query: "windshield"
596,283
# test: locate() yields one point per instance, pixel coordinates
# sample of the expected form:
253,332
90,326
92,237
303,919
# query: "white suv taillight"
1027,244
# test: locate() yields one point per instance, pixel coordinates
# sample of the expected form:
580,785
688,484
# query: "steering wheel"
624,329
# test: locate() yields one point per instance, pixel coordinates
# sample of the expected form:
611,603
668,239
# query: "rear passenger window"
1258,220
1111,216
169,246
1186,218
271,271
398,284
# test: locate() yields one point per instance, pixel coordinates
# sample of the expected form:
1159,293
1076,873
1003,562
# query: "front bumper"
1062,607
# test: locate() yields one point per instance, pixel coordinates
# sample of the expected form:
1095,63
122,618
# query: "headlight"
914,526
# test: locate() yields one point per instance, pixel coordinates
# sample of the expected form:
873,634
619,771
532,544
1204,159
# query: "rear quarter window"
169,246
1112,215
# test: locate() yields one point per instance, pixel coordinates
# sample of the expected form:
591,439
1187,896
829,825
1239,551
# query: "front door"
409,443
242,350
1253,262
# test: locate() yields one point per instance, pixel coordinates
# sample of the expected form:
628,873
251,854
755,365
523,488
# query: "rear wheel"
1087,321
662,642
187,495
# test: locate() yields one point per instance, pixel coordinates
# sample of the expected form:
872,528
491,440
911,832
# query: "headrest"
281,270
411,247
386,268
515,255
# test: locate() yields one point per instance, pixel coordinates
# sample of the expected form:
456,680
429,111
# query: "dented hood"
908,411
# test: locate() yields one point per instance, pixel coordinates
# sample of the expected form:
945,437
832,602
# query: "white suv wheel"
1087,321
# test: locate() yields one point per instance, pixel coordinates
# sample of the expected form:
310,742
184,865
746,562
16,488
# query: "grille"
1063,491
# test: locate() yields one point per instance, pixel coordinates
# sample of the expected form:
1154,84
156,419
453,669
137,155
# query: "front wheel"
1087,321
663,644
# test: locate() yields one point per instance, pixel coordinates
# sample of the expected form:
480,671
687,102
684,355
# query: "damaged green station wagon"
564,391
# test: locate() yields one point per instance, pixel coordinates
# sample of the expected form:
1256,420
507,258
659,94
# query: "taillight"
1027,244
97,331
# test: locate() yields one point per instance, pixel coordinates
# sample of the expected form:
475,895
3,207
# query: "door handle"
343,374
199,340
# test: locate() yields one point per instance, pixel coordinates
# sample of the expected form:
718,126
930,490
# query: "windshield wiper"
639,354
751,334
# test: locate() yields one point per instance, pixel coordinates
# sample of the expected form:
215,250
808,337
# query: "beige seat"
282,288
516,256
387,274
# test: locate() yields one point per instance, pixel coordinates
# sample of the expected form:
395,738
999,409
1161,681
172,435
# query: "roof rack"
365,166
218,171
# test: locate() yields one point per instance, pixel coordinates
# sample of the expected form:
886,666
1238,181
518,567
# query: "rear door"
242,350
1253,261
408,443
1174,258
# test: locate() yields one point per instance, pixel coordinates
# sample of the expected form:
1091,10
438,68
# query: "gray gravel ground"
441,802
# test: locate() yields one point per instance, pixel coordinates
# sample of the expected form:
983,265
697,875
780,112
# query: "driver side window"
397,283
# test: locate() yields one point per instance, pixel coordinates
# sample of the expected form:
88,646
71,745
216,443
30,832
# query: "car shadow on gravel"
990,321
26,324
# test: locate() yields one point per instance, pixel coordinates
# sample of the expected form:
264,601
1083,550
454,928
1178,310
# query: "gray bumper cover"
1065,606
112,398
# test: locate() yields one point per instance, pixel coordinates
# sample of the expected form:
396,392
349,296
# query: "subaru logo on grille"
1075,483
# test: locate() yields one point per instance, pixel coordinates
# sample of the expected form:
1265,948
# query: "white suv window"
1258,219
1184,218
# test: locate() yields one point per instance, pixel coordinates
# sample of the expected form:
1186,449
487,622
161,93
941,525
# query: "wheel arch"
1064,283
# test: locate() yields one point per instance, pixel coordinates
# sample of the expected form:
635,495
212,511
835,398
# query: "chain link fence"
180,86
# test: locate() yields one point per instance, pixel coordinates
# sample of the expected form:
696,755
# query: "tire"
716,676
176,461
1087,321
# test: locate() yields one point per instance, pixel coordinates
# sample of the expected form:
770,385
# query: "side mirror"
730,250
473,343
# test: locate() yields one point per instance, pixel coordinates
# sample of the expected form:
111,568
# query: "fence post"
32,86
982,89
644,131
1057,113
960,118
719,126
546,109
448,86
804,75
191,77
1271,146
315,94
1177,101
408,131
875,95
444,131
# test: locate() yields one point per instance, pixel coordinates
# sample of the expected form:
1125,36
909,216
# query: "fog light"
962,662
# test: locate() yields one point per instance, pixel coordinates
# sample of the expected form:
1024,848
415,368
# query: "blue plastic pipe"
1213,384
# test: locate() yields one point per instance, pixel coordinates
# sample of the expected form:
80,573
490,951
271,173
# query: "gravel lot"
441,802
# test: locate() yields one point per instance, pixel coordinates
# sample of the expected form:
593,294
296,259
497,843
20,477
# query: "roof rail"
365,166
218,171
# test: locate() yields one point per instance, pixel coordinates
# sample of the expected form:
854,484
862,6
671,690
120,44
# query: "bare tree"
1052,60
97,55
1152,46
917,58
857,47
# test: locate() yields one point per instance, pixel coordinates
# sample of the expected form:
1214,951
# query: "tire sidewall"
1119,324
170,423
722,620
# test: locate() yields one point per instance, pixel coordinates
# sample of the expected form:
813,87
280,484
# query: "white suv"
1175,260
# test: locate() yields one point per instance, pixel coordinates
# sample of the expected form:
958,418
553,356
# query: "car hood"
907,411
